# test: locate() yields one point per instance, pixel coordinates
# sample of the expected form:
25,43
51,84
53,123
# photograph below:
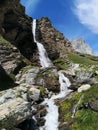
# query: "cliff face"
28,84
15,26
81,46
54,41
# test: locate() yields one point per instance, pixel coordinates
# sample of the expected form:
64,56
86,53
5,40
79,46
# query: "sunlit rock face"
81,46
54,42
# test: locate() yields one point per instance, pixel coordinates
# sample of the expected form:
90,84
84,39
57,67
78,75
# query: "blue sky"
74,18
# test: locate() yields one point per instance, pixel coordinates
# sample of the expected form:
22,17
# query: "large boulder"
83,76
10,57
94,105
47,78
17,110
16,104
84,87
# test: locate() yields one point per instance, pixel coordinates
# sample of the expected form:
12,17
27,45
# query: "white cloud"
87,13
30,5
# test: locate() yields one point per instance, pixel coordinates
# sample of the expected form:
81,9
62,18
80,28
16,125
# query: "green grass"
9,122
67,105
85,119
82,59
42,90
90,94
61,63
5,42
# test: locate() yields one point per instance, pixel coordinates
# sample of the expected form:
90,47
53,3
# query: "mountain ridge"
81,46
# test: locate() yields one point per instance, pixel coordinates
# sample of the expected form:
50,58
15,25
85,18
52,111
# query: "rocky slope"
52,39
81,46
24,84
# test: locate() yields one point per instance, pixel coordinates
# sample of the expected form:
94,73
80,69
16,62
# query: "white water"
75,108
52,109
43,56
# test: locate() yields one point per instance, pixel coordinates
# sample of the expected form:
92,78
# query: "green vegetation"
8,123
42,90
85,119
61,64
24,69
67,106
96,77
5,42
95,68
82,59
25,60
90,94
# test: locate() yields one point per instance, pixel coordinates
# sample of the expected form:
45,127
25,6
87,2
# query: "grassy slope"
85,119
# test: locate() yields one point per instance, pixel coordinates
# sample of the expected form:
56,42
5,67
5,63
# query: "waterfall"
43,56
52,109
76,107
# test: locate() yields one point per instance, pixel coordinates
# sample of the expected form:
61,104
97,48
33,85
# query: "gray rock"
81,46
34,94
84,87
83,76
31,76
18,109
9,95
94,105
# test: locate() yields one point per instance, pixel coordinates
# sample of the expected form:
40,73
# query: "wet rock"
48,78
73,87
94,105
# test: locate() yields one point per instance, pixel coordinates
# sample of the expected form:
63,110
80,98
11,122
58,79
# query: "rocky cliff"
25,85
81,46
54,41
15,26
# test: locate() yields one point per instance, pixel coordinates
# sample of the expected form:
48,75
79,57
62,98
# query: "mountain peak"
81,46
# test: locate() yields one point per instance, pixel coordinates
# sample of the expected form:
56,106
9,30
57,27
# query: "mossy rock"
61,63
5,42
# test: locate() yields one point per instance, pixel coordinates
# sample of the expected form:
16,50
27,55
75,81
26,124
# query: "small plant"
9,122
5,42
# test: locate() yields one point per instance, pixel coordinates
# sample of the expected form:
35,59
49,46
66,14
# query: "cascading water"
52,109
43,56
